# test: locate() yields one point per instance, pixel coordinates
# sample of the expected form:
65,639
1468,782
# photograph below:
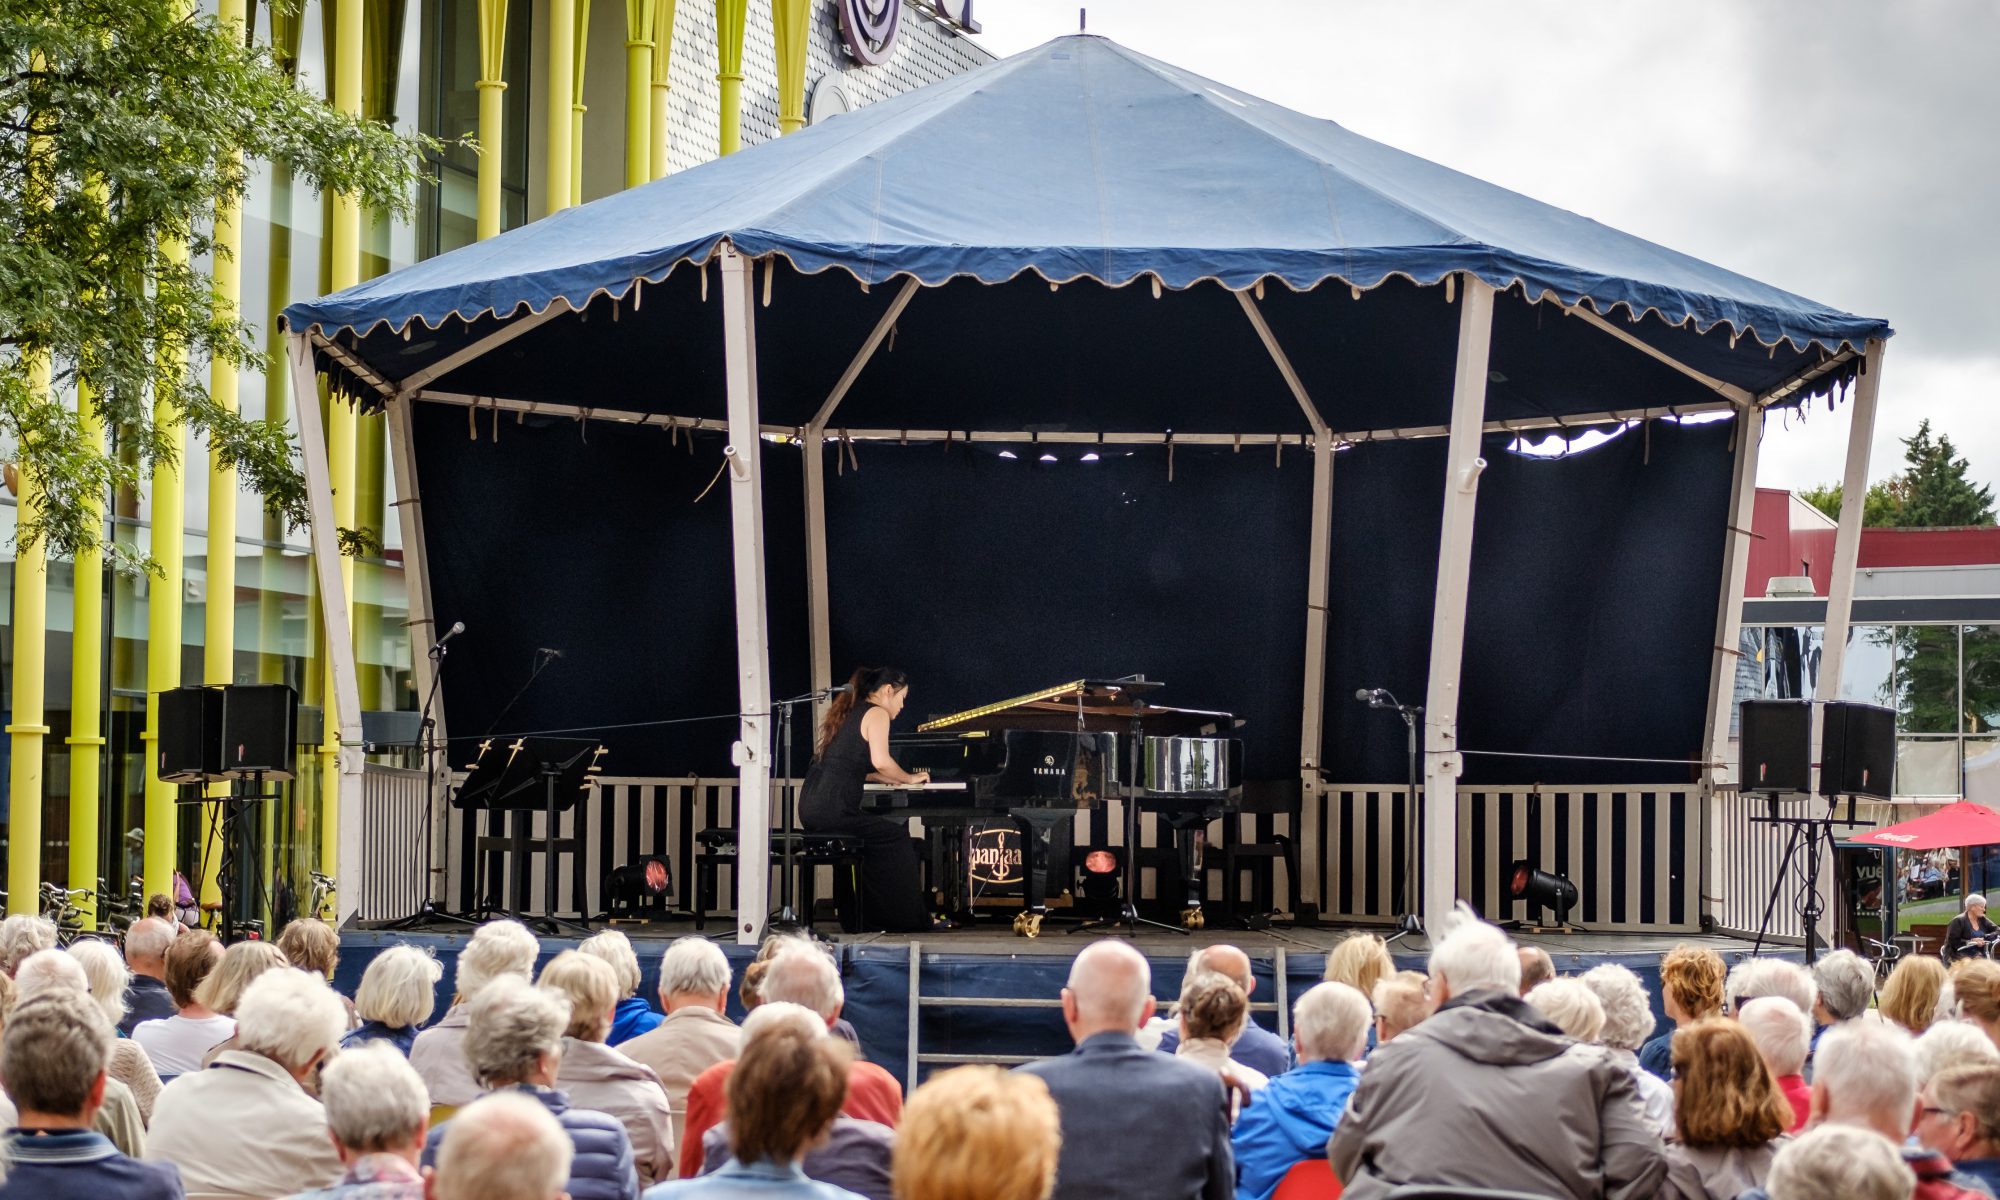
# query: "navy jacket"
78,1164
146,999
375,1031
602,1168
1136,1123
1256,1047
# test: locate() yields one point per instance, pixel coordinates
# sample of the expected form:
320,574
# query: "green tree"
120,124
1880,507
1936,491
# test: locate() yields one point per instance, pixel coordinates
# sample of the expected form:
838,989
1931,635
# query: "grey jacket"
1138,1124
1486,1093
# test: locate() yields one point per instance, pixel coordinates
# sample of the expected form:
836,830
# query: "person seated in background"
1570,1007
1958,1115
1910,997
1442,1104
177,1043
497,948
978,1133
1628,1022
1969,933
1845,985
54,1055
146,997
695,1034
1212,1012
513,1042
1837,1161
1756,977
1134,1123
1290,1120
245,1125
1691,979
855,1154
312,945
1976,983
1400,1004
108,979
1729,1112
633,1016
378,1112
1866,1076
799,973
1949,1044
595,1076
223,990
1360,961
503,1147
1537,968
22,935
397,995
118,1116
1256,1046
783,1095
1782,1034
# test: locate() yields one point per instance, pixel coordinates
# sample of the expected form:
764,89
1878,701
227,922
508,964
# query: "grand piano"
1040,758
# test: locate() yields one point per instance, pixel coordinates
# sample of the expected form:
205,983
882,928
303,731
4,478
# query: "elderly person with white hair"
504,1147
1628,1023
1970,932
397,994
1572,1007
146,997
1442,1104
1754,977
378,1112
1950,1044
800,973
498,949
1290,1120
1783,1035
1838,1161
22,935
633,1016
696,1034
109,979
513,1043
1866,1076
244,1125
119,1116
594,1075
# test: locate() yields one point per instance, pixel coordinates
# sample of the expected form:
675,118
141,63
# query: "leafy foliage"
1879,507
122,124
1932,491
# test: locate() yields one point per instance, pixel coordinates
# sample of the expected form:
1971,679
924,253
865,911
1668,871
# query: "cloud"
1845,150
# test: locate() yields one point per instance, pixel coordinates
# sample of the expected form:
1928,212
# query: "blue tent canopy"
1082,160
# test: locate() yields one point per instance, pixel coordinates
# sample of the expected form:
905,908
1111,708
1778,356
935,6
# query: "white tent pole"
753,650
1840,587
423,628
1728,391
346,870
1442,764
418,381
1312,725
1729,622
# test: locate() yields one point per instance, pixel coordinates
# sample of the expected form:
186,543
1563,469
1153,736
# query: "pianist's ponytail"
860,686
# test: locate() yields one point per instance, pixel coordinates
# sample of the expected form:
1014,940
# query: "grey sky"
1844,150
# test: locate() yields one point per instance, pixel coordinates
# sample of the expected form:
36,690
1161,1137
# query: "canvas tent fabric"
1083,160
1954,825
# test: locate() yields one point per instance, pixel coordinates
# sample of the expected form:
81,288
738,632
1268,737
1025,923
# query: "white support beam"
424,631
1312,732
1728,391
1442,763
417,382
845,383
352,361
753,654
1724,658
333,610
1283,361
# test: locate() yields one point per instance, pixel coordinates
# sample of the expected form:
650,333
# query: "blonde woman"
1976,982
595,1076
978,1133
1910,998
1360,961
240,966
634,1016
397,995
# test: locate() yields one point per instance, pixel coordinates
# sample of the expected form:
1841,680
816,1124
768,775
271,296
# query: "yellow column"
790,22
729,18
638,92
27,733
556,166
86,685
492,111
344,265
163,613
576,105
663,53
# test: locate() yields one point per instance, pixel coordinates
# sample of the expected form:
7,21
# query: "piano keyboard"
907,787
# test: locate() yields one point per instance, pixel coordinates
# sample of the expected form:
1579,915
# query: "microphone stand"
429,909
1412,714
787,919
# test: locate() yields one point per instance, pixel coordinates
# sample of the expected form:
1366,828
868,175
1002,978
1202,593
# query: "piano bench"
840,851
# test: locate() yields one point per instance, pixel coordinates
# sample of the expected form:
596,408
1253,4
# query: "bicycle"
59,907
323,891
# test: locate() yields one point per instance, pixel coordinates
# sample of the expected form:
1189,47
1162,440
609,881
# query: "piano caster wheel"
1191,918
1028,925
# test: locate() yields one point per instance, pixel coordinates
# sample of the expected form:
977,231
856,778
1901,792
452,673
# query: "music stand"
531,772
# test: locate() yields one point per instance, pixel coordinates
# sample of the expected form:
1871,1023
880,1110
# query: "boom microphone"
457,627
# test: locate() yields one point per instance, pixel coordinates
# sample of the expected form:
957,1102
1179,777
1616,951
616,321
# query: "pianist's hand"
920,778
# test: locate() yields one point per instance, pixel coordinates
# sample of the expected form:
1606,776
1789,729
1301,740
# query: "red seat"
1312,1179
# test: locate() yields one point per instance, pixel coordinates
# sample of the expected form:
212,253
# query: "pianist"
852,751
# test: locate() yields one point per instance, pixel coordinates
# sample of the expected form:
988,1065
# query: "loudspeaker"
260,730
190,750
1776,746
1858,751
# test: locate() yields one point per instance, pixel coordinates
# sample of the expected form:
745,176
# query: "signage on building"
868,27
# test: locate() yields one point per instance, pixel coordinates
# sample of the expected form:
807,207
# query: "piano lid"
1090,704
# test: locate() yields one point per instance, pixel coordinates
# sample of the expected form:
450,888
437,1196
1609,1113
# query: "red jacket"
1799,1093
1936,1178
872,1095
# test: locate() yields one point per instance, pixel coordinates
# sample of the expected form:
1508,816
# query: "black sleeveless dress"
830,802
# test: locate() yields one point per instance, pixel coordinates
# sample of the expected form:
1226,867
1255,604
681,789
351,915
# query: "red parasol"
1954,825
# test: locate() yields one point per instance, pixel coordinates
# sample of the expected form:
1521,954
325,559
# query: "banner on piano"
996,861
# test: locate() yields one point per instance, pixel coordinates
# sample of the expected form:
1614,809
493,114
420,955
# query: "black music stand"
1128,908
518,777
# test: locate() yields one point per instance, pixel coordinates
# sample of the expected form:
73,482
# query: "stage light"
638,882
1101,869
1048,458
1091,457
1008,454
1540,888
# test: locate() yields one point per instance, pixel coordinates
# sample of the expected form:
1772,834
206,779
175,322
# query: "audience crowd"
183,1069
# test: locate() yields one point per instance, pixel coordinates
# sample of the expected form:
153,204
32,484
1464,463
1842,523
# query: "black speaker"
189,749
260,730
1776,746
1858,751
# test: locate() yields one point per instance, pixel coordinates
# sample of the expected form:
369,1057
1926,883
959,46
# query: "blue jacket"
146,999
375,1031
78,1164
602,1168
1256,1047
1657,1056
1288,1122
631,1018
1136,1123
751,1181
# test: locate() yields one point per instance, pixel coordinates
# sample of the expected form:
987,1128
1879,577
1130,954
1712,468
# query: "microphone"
837,689
457,627
1365,695
548,651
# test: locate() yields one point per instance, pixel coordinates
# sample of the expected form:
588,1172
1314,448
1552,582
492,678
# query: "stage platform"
983,994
